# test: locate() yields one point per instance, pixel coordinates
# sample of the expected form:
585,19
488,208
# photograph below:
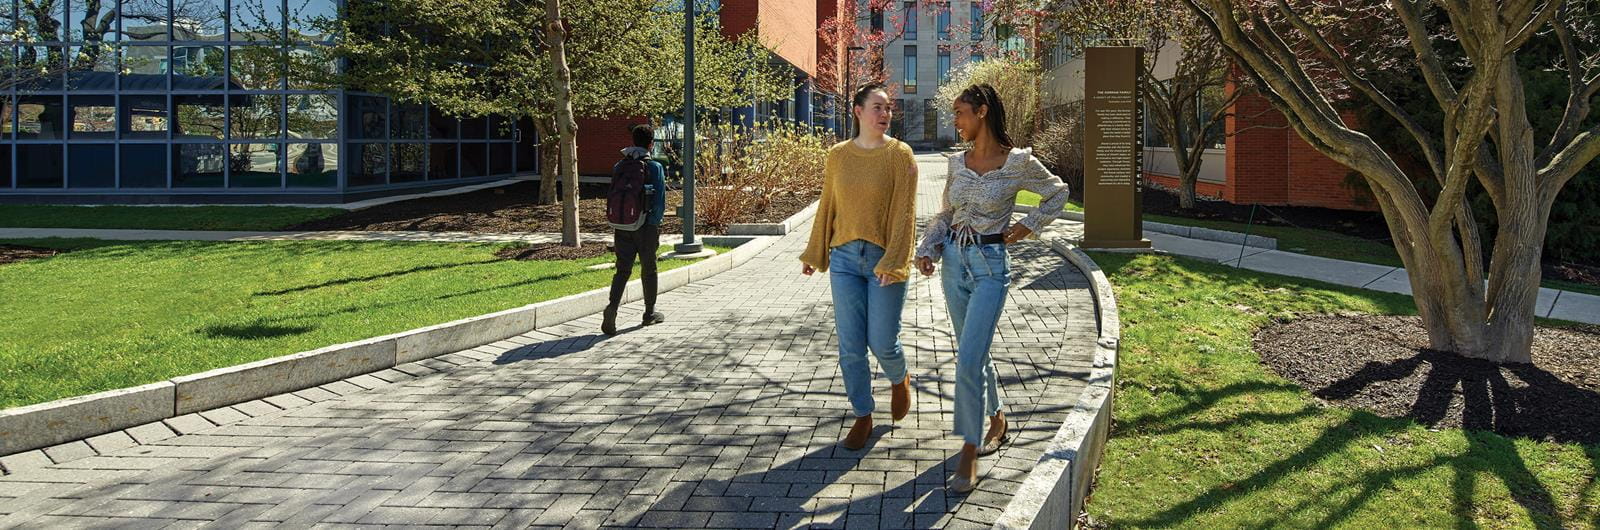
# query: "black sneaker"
653,318
608,324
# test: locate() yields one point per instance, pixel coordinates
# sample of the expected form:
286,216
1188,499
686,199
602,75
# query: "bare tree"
1185,108
1303,54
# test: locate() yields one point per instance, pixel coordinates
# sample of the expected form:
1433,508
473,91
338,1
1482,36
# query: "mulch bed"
511,209
16,253
1573,272
1382,364
553,252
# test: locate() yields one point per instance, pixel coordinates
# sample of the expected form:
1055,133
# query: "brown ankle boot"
858,434
900,401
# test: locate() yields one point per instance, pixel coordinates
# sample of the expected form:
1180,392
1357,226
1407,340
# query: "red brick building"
1267,163
788,29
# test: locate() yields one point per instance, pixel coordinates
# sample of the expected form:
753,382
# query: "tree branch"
1427,142
1427,58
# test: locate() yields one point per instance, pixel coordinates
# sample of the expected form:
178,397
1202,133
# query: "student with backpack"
634,207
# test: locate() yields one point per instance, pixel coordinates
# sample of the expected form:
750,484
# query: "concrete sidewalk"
1552,303
725,416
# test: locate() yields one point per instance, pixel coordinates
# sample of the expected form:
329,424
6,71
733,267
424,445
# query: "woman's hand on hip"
1016,233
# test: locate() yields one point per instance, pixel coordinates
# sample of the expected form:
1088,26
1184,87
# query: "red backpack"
626,207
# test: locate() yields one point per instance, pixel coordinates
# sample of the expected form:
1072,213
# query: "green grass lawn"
1032,199
112,314
1205,437
247,218
1307,241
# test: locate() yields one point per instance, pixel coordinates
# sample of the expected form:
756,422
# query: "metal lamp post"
686,212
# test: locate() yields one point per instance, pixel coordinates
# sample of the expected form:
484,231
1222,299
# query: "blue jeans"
975,280
865,315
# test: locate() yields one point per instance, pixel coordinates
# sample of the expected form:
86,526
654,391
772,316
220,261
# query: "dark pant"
641,244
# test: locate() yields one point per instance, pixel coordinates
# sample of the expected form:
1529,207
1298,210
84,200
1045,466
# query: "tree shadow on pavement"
816,490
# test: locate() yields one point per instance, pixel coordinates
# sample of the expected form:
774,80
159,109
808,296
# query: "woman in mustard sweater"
862,237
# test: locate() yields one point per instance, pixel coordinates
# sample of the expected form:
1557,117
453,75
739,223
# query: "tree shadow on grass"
379,276
254,331
1486,453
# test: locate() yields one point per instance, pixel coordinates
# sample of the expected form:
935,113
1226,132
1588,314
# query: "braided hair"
985,95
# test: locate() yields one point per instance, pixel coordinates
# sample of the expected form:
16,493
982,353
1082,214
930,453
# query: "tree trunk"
549,160
564,121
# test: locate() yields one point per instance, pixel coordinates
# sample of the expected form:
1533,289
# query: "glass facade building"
109,101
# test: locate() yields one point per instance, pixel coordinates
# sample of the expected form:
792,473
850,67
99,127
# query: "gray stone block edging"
774,229
1053,493
44,425
75,418
1191,232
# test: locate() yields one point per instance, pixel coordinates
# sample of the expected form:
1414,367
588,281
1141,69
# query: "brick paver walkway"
725,416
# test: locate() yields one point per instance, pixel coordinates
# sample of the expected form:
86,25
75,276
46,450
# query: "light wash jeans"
865,315
975,280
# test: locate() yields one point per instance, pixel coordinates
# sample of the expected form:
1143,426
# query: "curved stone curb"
1191,232
774,229
1053,494
57,427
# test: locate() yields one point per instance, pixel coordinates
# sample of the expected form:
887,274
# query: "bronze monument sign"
1112,198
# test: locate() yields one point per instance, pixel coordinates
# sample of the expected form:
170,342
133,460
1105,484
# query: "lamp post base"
680,253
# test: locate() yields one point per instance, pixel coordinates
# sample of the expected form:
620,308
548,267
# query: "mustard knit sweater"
871,195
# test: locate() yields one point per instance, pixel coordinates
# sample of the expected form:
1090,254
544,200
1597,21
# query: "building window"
877,20
930,121
257,21
944,22
370,165
977,21
144,166
911,21
92,165
93,116
409,164
39,166
313,165
944,65
255,165
909,77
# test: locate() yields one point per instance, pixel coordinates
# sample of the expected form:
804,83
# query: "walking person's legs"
988,275
627,246
849,287
649,243
885,304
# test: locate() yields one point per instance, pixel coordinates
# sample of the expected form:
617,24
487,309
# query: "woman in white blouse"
970,234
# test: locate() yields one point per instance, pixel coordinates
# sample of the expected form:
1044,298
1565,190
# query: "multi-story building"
222,101
214,101
930,40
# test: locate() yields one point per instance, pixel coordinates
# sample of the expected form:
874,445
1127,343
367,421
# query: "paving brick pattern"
726,416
